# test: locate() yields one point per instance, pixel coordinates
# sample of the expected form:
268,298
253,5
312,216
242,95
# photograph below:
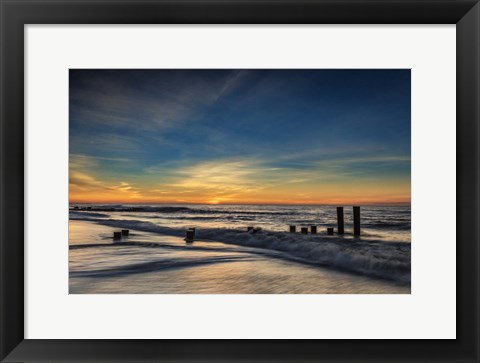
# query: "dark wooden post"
356,221
305,230
249,229
313,229
330,231
340,221
125,232
293,229
117,235
190,236
193,229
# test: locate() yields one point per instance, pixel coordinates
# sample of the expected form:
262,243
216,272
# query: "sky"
240,136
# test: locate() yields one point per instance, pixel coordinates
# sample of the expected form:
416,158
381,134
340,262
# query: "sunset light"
240,136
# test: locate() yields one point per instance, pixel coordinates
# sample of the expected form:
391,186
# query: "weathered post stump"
293,229
190,236
330,231
356,221
340,221
117,236
125,232
313,229
305,230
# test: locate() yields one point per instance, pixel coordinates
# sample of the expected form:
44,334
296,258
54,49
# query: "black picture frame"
15,14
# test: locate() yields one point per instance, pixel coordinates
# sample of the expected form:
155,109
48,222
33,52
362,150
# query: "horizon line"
193,203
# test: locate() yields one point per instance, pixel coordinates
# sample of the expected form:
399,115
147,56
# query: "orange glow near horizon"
230,192
234,182
286,201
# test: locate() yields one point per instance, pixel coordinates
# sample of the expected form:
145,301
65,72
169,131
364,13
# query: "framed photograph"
240,181
199,181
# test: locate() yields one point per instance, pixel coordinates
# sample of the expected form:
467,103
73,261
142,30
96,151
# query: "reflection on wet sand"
148,263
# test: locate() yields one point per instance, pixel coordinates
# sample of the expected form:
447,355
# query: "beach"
227,259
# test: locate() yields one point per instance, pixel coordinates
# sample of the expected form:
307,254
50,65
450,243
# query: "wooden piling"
125,232
194,231
293,229
356,221
340,221
190,236
117,235
330,231
305,230
313,229
249,229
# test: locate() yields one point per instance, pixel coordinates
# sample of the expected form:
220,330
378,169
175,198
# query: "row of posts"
340,224
190,233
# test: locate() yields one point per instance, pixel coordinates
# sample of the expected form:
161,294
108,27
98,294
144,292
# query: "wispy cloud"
86,178
218,179
109,102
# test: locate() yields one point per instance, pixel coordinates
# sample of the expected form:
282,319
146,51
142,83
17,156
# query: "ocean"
225,258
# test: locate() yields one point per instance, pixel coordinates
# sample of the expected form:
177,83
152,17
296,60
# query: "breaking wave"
166,210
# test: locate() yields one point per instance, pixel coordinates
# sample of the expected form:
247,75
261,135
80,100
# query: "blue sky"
246,136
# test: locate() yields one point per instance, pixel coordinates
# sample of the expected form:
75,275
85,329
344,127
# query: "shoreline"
201,244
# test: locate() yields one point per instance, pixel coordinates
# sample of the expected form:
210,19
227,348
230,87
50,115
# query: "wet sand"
149,263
